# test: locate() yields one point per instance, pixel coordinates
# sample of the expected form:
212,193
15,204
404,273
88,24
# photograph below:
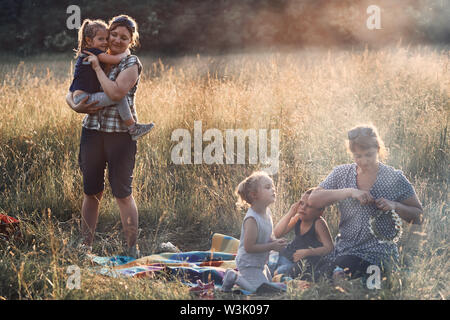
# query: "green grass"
312,96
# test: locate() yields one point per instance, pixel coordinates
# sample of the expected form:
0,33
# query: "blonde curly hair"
247,187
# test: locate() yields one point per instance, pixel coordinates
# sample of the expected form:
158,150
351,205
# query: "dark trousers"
116,149
353,266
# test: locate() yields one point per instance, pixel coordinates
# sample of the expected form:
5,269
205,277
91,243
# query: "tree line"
196,26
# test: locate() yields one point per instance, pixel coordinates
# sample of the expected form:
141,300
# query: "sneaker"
141,130
229,280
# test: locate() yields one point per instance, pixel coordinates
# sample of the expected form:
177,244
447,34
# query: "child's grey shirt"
265,226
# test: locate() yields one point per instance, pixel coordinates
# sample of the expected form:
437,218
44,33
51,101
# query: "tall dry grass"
313,97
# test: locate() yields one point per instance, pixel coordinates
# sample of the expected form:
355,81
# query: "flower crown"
398,227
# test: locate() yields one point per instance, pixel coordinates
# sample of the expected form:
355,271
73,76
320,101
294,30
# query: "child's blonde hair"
248,186
88,29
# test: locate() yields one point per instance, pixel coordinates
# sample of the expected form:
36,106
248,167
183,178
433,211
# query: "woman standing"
361,189
104,137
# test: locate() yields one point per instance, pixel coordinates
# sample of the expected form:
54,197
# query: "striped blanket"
188,267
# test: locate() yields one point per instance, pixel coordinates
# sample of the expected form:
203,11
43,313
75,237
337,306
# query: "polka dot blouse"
354,236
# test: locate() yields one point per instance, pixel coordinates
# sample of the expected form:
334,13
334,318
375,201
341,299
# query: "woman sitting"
361,189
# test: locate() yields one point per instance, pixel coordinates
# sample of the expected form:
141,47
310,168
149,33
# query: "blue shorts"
116,149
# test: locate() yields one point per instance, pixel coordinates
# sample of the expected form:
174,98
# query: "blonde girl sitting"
256,192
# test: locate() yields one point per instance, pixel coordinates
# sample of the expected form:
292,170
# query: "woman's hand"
364,197
93,60
82,106
299,254
385,205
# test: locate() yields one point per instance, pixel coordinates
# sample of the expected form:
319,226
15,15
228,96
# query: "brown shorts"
99,148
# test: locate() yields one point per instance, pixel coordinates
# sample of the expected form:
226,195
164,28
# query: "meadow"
313,96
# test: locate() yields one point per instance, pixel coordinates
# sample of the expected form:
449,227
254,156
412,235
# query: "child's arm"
113,59
251,234
324,236
287,222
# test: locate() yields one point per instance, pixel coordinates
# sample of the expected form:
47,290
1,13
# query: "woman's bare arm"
409,209
321,198
82,107
117,89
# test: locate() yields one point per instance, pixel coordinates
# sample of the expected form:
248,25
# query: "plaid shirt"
108,119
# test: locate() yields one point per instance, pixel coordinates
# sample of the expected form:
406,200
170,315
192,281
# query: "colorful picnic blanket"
188,267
